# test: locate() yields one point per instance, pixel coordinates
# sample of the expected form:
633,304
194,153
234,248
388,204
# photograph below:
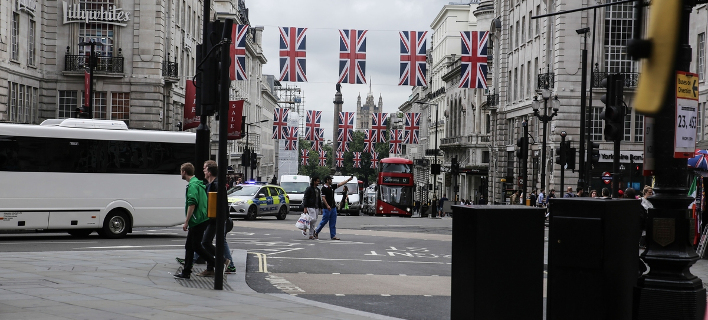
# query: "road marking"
44,242
402,275
128,247
427,295
262,262
336,273
360,260
385,295
282,284
339,295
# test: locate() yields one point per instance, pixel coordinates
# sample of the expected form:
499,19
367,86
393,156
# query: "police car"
252,200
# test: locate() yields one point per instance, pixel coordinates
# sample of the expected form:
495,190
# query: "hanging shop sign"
107,14
29,6
686,114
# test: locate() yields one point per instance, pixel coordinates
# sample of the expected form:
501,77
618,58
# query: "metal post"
563,161
588,119
583,102
222,203
435,178
92,64
524,162
543,152
670,286
203,134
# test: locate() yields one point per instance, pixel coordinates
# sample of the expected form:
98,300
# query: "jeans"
194,244
207,240
329,215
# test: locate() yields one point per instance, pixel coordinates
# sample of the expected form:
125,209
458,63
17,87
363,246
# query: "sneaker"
180,261
227,262
304,233
181,275
231,269
316,233
206,273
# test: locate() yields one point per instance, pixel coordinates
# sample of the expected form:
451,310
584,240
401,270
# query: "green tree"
313,166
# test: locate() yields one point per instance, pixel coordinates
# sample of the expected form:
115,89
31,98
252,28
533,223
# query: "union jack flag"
291,138
317,145
412,127
238,52
374,159
474,59
313,122
346,126
357,159
292,54
352,56
305,156
343,146
340,159
319,134
394,145
323,158
368,145
280,122
413,57
378,126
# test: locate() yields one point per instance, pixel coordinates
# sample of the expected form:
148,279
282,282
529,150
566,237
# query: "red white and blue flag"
352,56
378,126
292,54
323,158
319,134
280,122
412,128
374,159
368,144
474,59
238,52
304,156
340,159
346,126
317,145
394,144
291,138
312,123
413,65
343,146
357,159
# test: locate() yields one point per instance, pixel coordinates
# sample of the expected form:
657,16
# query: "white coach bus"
80,176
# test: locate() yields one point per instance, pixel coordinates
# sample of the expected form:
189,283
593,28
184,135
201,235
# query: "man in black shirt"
329,212
312,203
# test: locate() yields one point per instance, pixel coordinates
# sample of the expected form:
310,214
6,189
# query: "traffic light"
209,72
594,152
520,148
560,155
455,166
658,69
435,168
614,107
245,158
254,160
570,157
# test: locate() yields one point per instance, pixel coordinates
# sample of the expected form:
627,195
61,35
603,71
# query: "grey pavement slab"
138,284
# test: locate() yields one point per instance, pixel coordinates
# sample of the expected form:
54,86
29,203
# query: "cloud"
383,19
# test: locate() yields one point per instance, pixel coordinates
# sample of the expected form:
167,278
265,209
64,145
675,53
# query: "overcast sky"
323,18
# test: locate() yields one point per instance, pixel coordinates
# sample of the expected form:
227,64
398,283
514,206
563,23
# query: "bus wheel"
81,233
282,213
115,225
251,215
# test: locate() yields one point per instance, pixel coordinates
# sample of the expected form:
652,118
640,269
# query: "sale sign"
191,119
235,120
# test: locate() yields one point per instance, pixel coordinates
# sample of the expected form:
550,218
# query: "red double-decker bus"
395,187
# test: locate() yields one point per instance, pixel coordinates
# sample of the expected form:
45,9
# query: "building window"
99,32
68,101
596,124
538,21
523,32
699,121
31,43
639,127
619,22
701,55
530,81
516,35
515,84
508,89
628,126
522,92
511,37
510,165
15,54
120,106
100,105
23,102
13,101
530,30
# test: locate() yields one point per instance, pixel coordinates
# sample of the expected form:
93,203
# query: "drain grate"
201,282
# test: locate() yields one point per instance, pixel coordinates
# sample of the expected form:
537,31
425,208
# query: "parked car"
252,200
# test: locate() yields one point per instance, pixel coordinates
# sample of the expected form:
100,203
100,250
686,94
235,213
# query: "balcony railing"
630,79
466,140
73,62
169,69
545,81
492,100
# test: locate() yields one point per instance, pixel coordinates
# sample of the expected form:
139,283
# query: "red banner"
87,87
191,119
235,120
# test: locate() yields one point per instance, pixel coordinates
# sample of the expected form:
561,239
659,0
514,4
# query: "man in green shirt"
195,209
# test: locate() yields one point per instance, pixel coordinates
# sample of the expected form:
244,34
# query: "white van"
295,186
354,196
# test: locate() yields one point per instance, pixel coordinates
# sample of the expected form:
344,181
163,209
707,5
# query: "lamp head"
563,134
536,104
583,30
546,94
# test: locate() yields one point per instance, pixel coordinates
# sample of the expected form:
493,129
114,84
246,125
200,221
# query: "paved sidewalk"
139,285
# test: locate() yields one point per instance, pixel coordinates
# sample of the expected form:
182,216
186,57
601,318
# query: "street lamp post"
91,65
435,176
246,165
545,118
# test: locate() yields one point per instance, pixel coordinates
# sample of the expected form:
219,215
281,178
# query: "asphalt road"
393,266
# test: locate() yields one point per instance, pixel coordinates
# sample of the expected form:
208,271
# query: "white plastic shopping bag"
303,222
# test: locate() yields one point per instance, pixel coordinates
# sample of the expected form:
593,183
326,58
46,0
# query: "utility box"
593,258
497,262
